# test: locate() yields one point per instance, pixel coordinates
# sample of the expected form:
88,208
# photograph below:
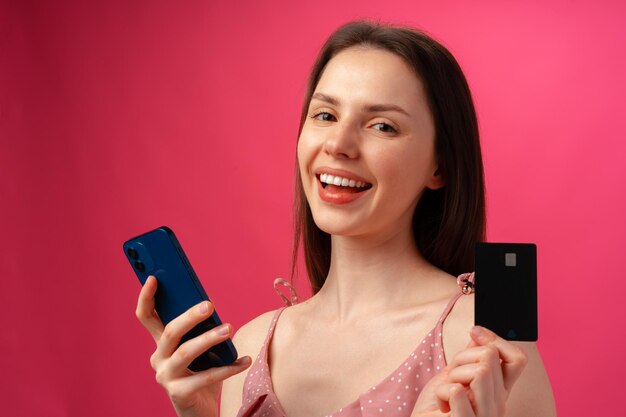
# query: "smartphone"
505,283
159,253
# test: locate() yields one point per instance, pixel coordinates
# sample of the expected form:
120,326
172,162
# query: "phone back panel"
159,253
506,289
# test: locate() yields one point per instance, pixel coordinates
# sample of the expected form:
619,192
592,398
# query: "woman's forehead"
370,76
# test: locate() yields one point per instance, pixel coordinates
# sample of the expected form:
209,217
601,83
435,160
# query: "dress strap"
270,333
466,283
294,295
451,304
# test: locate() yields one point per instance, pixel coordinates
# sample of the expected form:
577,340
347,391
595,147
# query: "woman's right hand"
193,394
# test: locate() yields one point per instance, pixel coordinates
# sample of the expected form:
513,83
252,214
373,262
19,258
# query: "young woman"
390,202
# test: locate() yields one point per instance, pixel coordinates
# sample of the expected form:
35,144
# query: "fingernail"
478,331
204,307
223,330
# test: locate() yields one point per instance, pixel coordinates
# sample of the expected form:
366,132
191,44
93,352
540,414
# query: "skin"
379,287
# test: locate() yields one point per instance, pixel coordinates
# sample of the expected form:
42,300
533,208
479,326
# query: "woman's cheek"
302,154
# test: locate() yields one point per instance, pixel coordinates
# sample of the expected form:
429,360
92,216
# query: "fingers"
221,373
182,388
488,368
513,358
191,349
145,309
454,399
175,329
172,372
482,359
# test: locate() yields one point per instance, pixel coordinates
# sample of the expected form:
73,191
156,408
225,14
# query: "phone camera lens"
140,266
133,253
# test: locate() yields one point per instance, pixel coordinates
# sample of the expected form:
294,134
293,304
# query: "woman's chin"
339,226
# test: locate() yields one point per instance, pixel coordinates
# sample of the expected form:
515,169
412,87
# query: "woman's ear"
436,181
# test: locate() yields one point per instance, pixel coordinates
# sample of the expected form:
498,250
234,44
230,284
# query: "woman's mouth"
340,190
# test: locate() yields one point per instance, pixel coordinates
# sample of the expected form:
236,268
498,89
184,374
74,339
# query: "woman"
390,203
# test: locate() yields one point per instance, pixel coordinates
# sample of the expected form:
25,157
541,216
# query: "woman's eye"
384,127
325,116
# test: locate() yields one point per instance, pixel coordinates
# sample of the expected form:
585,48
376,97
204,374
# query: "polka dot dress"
394,396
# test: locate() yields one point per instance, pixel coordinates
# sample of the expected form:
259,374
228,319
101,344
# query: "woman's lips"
340,194
339,186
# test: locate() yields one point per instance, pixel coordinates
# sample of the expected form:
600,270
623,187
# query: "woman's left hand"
477,382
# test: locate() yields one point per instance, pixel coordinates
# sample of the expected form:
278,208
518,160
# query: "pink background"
121,116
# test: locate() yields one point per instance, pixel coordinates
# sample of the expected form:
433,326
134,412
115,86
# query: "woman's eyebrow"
369,107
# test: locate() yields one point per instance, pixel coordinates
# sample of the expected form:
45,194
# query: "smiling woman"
447,220
390,203
368,140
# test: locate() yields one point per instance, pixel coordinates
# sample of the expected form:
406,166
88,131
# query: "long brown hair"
448,221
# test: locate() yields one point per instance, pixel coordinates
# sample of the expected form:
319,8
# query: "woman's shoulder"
250,337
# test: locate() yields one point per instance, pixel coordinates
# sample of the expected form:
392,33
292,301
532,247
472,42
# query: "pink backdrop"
120,116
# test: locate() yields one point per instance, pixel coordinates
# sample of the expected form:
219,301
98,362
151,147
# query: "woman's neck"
370,276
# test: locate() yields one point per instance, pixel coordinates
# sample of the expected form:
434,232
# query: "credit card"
506,289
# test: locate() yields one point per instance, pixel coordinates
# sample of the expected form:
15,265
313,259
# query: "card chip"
510,259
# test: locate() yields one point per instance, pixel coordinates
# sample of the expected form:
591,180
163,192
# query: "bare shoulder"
250,336
532,394
248,341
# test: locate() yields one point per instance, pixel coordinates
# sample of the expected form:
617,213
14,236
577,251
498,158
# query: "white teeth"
344,182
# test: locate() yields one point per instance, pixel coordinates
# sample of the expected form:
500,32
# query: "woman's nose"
342,141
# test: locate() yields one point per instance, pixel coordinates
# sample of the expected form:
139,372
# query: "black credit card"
506,289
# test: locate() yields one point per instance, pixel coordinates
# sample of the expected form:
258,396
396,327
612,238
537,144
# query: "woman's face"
370,134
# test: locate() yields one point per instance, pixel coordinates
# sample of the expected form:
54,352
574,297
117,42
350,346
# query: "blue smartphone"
159,253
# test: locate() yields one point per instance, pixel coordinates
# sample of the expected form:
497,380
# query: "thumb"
471,343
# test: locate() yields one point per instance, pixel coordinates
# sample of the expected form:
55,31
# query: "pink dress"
393,396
